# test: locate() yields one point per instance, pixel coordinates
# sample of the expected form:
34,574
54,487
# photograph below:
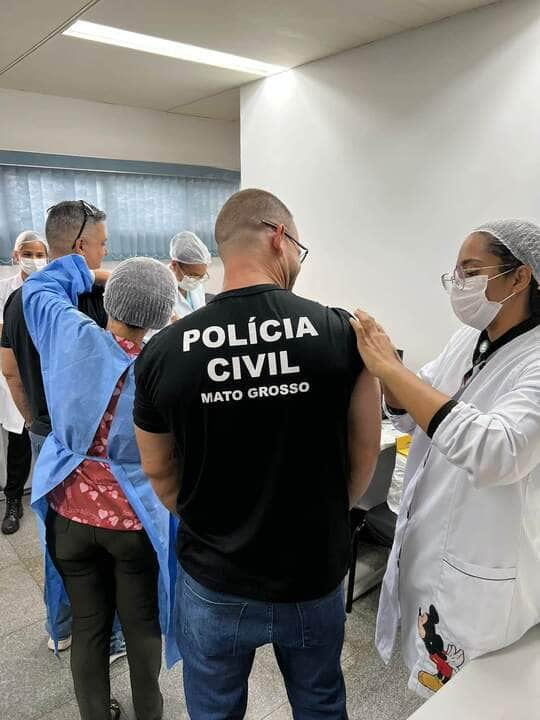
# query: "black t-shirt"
256,388
15,335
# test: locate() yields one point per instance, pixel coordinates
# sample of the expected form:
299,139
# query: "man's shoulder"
197,317
14,331
336,313
287,303
92,305
96,293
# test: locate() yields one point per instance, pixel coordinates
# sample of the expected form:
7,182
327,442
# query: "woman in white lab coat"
464,572
30,253
189,262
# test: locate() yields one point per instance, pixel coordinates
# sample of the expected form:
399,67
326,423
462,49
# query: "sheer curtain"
143,211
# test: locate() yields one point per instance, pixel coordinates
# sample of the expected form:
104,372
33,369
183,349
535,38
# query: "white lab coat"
10,418
185,305
468,532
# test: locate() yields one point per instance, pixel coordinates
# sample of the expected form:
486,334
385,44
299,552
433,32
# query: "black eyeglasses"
88,211
302,248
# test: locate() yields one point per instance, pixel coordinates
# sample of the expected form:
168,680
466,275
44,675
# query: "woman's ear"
177,270
522,278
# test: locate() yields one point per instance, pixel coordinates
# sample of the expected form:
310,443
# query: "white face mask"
471,305
32,265
188,284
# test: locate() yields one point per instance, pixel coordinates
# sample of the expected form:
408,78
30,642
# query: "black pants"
19,459
104,570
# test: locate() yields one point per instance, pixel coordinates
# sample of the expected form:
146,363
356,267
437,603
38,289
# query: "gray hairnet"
187,248
141,292
30,236
522,238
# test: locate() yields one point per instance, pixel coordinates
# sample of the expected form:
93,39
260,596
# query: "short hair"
245,210
64,223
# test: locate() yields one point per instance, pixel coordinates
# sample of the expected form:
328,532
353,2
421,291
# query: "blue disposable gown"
81,365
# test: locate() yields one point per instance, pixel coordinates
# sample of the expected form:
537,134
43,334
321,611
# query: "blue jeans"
218,635
64,615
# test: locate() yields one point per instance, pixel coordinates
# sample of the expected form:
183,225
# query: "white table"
501,686
389,435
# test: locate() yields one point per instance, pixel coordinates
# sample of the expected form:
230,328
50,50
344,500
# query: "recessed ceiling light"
159,46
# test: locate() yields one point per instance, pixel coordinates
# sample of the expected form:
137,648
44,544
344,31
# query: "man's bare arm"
101,277
10,370
364,434
160,465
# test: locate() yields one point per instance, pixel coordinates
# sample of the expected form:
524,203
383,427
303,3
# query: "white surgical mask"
32,265
188,284
471,305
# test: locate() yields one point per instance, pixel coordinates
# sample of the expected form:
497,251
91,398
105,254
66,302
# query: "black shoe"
115,709
14,511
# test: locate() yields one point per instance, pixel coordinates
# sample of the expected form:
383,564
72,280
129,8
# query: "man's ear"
278,237
78,249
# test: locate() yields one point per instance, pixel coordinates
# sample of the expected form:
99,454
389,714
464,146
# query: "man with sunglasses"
71,227
259,426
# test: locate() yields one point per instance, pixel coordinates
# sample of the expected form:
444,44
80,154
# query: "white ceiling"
35,56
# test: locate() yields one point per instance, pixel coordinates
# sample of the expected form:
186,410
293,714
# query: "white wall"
48,124
389,154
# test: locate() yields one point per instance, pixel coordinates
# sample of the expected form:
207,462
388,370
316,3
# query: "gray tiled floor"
34,685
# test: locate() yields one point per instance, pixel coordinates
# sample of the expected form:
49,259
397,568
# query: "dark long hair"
507,258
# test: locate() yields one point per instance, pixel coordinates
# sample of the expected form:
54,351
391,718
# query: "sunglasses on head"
88,211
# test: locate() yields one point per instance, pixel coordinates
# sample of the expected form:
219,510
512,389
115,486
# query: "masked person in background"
30,254
189,262
464,572
109,542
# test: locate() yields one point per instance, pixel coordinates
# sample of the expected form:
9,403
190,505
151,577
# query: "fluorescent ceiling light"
159,46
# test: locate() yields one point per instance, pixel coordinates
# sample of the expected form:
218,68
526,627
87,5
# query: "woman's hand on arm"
403,389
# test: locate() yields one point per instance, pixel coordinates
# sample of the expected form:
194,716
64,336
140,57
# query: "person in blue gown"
108,541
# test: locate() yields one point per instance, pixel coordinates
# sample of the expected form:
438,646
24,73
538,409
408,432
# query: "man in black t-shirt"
16,340
258,425
72,226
